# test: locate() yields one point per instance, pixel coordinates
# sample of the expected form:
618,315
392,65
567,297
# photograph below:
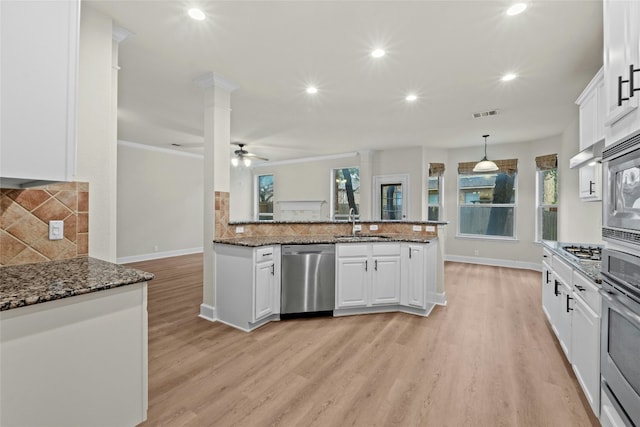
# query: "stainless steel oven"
621,193
620,333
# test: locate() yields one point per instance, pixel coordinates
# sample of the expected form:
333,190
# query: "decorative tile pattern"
24,223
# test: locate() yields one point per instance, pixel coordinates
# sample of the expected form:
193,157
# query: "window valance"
436,169
547,162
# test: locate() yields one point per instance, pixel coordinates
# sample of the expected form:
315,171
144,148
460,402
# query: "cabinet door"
264,290
416,277
39,67
588,111
385,281
547,290
352,282
585,349
620,52
564,307
590,182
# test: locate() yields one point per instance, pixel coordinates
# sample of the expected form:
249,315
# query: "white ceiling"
451,53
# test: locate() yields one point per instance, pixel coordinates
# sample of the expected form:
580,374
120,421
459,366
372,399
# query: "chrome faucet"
352,218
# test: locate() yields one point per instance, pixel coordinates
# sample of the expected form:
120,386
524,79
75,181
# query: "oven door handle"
619,306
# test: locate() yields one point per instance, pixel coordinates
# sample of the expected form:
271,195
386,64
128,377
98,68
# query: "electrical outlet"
430,228
155,248
357,227
476,252
417,228
373,227
239,230
56,230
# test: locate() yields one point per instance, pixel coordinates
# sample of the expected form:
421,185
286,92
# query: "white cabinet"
39,48
419,275
585,339
591,182
247,285
592,111
621,53
367,274
564,307
547,284
265,285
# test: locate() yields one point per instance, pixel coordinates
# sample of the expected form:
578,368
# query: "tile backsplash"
24,223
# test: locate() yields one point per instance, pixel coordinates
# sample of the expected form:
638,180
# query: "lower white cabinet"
367,274
548,285
563,317
585,338
419,274
247,285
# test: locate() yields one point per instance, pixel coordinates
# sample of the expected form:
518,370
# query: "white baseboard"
495,262
157,255
207,312
439,298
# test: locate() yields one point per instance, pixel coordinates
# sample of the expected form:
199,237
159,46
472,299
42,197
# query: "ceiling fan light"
247,162
234,161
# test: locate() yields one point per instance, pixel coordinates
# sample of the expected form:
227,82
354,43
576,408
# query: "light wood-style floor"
487,359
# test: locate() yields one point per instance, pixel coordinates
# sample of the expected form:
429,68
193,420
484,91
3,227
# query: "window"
391,201
346,192
434,191
547,197
487,201
265,197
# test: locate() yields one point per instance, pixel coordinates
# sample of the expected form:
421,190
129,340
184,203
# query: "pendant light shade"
485,165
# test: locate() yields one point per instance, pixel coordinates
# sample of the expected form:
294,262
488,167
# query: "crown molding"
120,34
158,149
211,79
305,160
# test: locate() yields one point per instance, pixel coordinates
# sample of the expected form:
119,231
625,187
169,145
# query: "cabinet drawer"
587,290
386,249
562,270
264,254
351,249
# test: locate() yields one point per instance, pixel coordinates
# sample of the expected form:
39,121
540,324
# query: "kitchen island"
73,344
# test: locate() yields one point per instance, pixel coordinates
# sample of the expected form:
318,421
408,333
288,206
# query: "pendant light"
485,165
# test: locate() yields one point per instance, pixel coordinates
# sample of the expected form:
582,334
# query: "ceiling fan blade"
255,156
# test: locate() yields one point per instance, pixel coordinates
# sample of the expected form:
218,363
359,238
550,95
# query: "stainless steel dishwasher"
308,280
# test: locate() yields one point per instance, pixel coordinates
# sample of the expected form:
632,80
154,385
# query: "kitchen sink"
361,237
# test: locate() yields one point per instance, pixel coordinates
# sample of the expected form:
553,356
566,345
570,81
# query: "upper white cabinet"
591,104
39,57
621,57
590,182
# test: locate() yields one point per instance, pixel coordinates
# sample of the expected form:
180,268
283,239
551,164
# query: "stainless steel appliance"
620,333
308,280
621,193
585,253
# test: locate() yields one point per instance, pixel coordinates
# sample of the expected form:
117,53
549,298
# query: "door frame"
378,180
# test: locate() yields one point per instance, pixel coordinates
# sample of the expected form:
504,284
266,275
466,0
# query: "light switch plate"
417,228
56,230
373,227
429,228
357,227
239,230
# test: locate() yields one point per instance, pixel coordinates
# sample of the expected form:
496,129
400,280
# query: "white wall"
241,194
580,222
160,202
96,150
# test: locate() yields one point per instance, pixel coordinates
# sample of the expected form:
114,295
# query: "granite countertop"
344,221
29,284
306,240
591,269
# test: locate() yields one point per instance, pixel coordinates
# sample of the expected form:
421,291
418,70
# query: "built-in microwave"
621,193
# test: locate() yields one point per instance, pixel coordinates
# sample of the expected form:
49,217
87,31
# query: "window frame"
540,206
332,194
256,198
513,205
440,203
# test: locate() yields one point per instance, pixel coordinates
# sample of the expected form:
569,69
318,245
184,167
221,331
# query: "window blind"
504,166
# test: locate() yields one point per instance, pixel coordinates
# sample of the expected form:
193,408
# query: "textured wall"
24,223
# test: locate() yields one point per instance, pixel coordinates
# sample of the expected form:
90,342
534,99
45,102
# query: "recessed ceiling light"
312,90
411,97
508,77
378,53
516,9
196,14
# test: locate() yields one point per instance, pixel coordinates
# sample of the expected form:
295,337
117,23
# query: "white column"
217,149
366,185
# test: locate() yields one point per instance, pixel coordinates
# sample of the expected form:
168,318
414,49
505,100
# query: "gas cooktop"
585,253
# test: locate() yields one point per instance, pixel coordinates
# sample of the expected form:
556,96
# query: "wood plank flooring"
489,358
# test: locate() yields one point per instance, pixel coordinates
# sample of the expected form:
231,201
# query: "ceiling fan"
244,155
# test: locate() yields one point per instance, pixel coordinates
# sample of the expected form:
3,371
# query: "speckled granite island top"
29,284
306,240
